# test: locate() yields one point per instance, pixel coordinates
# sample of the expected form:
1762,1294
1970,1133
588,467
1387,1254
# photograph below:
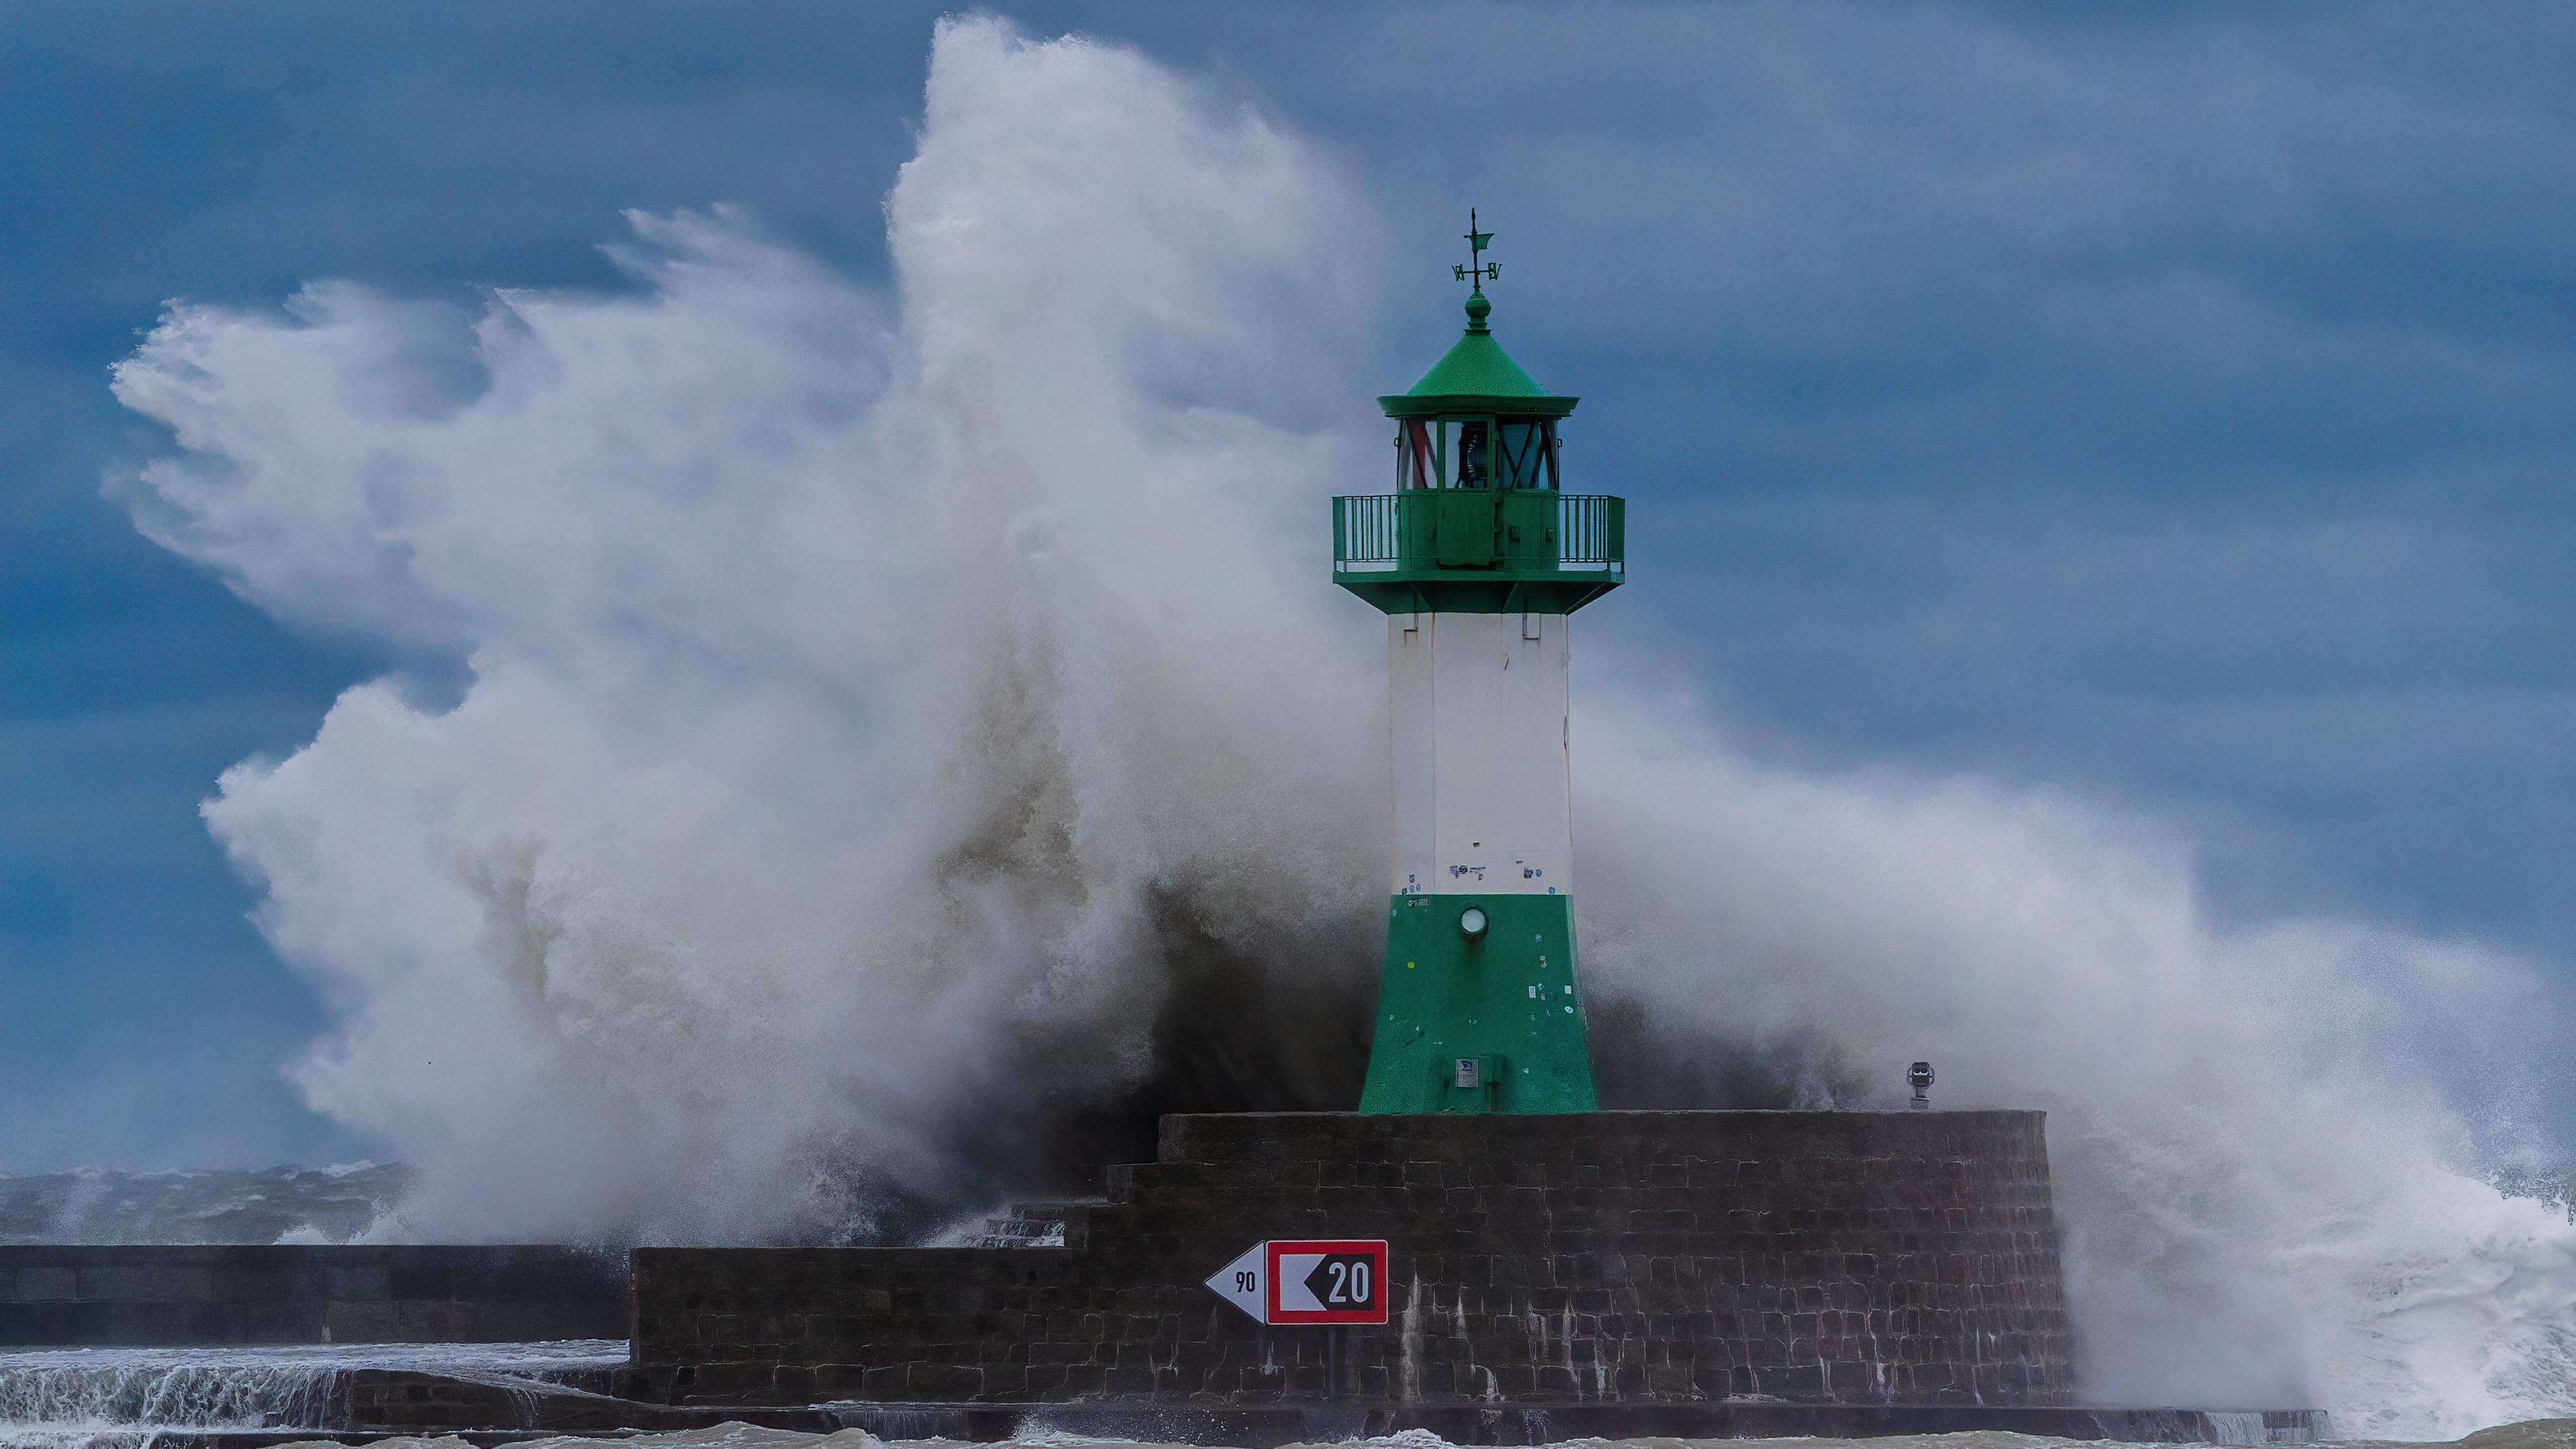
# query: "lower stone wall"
1614,1257
92,1296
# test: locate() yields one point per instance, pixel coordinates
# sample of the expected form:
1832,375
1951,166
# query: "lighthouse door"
1464,536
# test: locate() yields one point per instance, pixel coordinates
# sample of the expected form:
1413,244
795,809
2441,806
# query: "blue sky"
2175,406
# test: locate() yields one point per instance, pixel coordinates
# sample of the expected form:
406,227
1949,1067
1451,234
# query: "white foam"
109,1396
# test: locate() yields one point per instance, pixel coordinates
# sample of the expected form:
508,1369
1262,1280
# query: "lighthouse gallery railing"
1516,530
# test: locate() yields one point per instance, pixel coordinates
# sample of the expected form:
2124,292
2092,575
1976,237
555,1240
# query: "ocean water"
109,1397
2536,1434
343,1203
128,1434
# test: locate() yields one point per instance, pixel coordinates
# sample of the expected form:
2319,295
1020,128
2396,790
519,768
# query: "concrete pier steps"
1028,1225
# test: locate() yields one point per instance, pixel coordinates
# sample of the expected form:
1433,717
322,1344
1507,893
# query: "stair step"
1025,1225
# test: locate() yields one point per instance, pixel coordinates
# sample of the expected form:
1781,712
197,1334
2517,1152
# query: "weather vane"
1478,270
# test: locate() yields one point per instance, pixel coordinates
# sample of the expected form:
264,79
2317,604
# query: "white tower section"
1478,709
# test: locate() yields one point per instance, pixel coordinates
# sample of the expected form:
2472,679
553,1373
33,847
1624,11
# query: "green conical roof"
1477,376
1477,367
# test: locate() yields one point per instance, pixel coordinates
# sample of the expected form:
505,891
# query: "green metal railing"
1456,532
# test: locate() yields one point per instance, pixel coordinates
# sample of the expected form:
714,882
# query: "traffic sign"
1308,1280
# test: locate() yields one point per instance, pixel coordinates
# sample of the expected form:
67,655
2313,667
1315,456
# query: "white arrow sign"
1239,1283
1308,1280
1294,1295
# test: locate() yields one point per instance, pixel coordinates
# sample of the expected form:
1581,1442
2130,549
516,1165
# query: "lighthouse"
1479,559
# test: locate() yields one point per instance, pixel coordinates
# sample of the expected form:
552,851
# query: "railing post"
1411,527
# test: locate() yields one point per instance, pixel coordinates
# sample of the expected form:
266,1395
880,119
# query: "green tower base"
1488,1023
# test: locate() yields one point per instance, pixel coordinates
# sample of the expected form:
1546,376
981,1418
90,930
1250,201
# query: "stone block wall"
1614,1257
95,1296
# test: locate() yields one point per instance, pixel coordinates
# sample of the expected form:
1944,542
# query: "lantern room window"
1472,472
1527,455
1476,453
1417,456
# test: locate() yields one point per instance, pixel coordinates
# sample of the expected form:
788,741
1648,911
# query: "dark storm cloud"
2171,402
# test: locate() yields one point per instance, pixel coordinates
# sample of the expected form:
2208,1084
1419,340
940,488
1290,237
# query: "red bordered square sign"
1326,1280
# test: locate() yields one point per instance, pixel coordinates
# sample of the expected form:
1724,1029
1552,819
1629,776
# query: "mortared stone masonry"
204,1294
1610,1257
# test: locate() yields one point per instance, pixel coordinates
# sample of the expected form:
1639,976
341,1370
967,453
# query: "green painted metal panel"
1480,551
1404,405
1462,531
1477,375
1507,999
1476,366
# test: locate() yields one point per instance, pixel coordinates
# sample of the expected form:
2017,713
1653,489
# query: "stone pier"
1633,1258
87,1295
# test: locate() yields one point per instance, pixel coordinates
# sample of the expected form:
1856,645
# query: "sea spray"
859,744
882,730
